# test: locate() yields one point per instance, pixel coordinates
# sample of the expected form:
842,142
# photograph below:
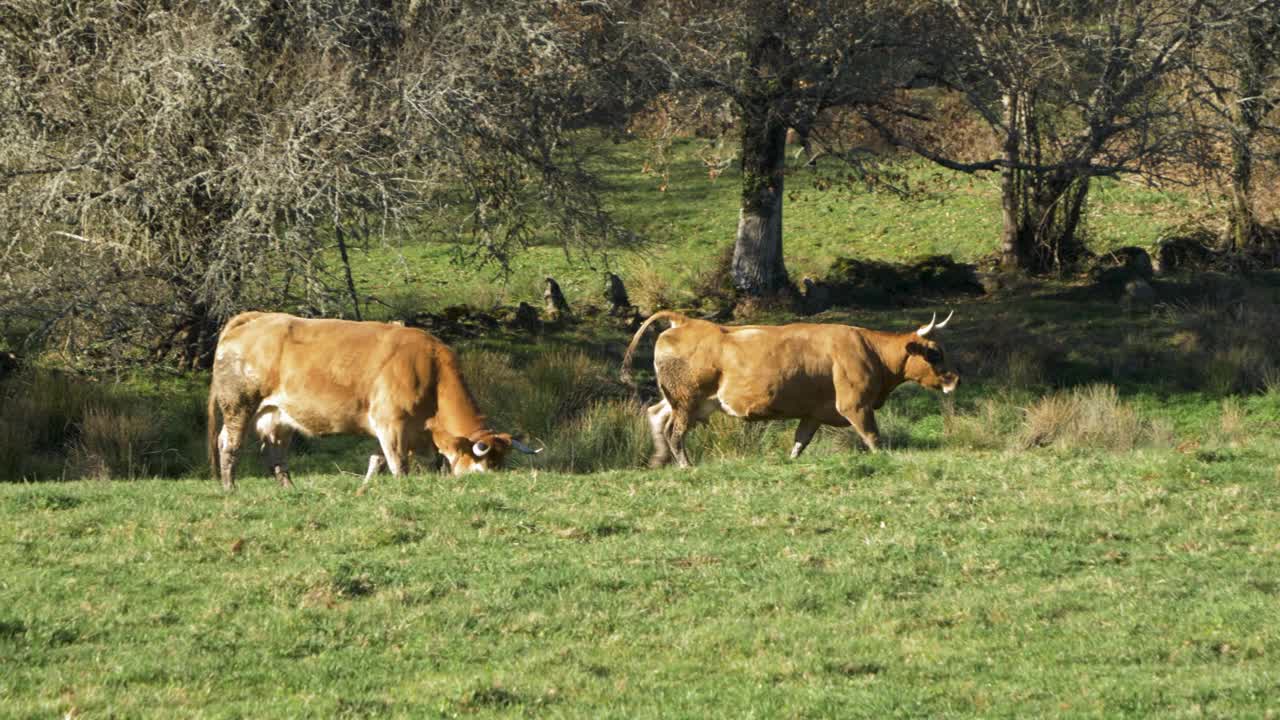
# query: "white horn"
944,322
480,449
525,448
926,329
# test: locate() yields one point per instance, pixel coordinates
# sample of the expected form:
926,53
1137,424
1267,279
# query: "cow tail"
211,437
675,318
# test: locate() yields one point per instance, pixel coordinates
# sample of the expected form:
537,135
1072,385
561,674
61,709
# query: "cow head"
483,451
926,363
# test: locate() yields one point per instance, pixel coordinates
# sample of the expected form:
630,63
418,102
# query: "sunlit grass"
913,583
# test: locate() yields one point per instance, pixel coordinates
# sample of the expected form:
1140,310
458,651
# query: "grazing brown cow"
819,374
283,374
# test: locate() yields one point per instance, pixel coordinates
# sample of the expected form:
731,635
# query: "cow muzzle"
949,383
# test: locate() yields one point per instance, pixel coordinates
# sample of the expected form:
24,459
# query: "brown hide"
282,374
819,374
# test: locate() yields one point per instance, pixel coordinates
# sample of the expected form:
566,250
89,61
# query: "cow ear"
915,348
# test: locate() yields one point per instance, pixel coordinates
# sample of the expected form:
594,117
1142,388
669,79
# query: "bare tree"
165,165
1072,92
774,65
1237,76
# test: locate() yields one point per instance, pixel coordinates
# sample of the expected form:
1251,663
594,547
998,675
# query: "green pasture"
911,583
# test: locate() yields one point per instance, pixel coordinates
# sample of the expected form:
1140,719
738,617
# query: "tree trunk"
1040,210
1243,231
758,268
1047,232
1013,248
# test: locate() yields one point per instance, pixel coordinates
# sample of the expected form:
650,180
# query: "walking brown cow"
819,374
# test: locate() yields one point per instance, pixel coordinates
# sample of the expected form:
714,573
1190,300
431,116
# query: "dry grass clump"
1088,417
724,437
113,442
1140,353
1241,368
1231,430
605,435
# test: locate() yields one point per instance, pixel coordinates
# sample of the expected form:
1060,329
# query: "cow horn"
926,329
525,448
481,448
944,322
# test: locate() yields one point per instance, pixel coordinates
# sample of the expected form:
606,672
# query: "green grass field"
912,583
1089,528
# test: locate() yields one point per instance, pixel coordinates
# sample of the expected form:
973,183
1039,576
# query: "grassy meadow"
1089,527
910,583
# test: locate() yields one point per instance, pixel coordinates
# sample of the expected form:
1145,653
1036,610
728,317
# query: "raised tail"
676,320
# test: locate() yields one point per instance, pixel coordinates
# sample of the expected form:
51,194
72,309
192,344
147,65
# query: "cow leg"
376,463
276,450
235,423
394,454
278,461
659,416
863,420
804,435
679,423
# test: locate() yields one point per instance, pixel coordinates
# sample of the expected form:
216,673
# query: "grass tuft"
1088,417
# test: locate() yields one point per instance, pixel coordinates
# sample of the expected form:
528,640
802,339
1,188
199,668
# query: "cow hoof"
362,490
